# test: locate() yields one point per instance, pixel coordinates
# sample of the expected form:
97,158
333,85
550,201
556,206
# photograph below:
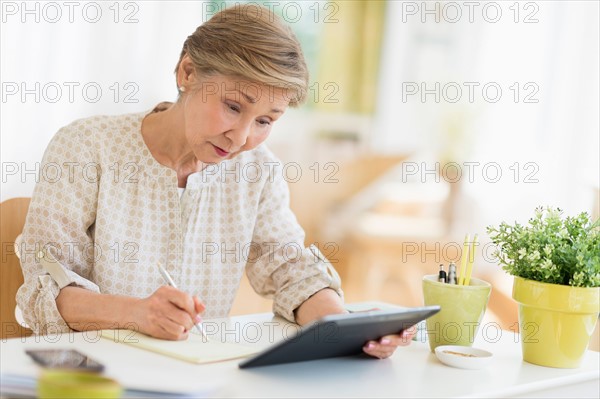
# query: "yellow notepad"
195,349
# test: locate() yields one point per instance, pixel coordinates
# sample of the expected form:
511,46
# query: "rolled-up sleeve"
59,227
279,264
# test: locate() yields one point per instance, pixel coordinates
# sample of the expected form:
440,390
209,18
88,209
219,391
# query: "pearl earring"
182,89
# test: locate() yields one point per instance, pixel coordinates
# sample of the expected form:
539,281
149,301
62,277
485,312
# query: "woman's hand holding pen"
168,313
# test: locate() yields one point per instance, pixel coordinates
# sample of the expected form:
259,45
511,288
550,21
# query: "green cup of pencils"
463,308
463,300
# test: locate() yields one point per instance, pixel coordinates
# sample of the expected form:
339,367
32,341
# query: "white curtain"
545,142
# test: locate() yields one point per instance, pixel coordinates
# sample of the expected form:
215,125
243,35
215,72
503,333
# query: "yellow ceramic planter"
555,321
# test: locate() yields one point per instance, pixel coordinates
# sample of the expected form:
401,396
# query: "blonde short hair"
252,43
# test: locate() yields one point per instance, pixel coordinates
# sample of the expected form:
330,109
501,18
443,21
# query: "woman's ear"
186,73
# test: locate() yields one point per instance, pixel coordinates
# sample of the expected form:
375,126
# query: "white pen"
170,281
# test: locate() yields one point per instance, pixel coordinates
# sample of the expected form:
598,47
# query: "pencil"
463,260
470,261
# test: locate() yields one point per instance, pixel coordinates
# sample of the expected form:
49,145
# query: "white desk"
412,372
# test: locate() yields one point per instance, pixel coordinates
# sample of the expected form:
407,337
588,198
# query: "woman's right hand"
168,313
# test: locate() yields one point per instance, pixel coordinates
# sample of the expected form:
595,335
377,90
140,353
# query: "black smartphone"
64,359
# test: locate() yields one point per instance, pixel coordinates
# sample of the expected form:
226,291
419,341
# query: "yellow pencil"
470,262
463,260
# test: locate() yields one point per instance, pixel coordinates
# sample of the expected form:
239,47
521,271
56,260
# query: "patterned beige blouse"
109,213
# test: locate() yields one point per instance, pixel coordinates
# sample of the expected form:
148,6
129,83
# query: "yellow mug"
463,307
76,384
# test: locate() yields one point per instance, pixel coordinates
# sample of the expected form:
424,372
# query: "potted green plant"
556,264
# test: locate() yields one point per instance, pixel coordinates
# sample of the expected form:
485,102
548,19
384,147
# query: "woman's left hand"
327,301
385,346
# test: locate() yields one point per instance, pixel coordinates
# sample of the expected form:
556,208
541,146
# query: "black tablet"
339,335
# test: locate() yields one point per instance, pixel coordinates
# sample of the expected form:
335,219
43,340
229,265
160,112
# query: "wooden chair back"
12,219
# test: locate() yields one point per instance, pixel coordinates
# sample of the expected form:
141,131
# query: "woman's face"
224,116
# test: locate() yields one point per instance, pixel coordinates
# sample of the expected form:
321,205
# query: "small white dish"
463,357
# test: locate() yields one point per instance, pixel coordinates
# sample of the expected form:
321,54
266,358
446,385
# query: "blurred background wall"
425,120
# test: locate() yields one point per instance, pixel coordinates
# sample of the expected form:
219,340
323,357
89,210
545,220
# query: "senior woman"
170,187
